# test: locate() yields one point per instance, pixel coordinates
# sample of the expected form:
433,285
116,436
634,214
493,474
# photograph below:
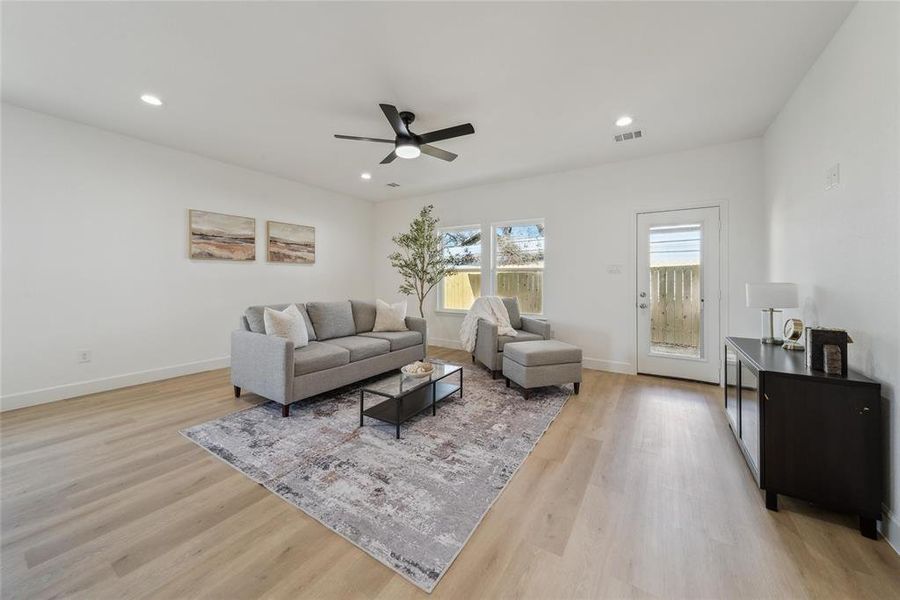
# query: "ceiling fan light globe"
407,151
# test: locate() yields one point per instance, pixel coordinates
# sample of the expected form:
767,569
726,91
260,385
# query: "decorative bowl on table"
417,369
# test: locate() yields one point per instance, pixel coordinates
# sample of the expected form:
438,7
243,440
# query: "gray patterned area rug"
410,503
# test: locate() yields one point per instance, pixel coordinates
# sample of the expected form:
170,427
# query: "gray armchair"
489,344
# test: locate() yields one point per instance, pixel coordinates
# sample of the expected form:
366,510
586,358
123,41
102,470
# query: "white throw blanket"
489,308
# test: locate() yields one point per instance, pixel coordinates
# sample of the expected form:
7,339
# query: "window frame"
439,307
492,271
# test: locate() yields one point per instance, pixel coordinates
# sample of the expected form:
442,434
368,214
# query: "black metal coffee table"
408,396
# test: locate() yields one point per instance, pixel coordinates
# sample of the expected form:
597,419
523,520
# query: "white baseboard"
601,364
72,390
454,344
890,529
595,364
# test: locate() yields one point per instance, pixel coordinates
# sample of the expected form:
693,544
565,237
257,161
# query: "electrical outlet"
84,356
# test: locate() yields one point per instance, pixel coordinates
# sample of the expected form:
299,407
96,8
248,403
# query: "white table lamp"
770,297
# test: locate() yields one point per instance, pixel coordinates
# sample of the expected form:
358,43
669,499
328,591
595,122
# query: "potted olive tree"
420,257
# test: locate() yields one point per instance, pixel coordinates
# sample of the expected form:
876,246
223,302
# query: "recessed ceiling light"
151,100
624,121
366,176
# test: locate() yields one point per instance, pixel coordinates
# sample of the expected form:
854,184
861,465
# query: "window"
519,264
458,290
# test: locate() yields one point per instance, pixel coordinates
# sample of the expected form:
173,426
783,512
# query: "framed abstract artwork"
215,236
289,243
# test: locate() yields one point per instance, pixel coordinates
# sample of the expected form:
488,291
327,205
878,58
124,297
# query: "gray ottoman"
541,363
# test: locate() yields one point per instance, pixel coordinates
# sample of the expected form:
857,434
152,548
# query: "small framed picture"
215,236
287,243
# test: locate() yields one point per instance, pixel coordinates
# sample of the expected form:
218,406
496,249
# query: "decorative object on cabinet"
816,338
770,297
803,433
833,359
793,330
216,236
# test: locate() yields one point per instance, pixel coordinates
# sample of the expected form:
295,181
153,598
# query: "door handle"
643,294
864,411
642,305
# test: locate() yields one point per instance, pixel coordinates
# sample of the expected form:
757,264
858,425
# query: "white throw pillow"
288,324
390,317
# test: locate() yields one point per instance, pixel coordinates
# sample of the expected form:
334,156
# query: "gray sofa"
489,345
343,349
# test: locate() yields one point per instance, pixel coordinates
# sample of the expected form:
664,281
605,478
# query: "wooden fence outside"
461,288
675,305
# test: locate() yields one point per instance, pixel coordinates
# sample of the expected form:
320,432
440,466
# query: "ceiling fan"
408,144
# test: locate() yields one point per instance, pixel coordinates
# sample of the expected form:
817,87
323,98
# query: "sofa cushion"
255,318
512,307
361,347
363,315
331,319
523,336
398,339
542,353
318,356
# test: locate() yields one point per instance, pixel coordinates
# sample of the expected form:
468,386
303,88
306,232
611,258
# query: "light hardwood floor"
637,490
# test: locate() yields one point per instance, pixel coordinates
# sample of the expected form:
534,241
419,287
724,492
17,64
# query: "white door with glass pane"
677,294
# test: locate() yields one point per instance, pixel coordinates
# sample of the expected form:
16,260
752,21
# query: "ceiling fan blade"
363,139
437,152
389,158
393,117
446,134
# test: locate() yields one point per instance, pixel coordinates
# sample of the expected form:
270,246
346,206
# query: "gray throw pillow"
331,319
363,315
512,307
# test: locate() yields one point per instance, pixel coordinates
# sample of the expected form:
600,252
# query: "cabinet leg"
237,392
577,387
771,500
494,374
507,382
867,528
285,410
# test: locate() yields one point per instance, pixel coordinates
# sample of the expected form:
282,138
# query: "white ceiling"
266,85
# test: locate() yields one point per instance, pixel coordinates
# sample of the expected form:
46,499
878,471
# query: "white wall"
94,256
589,217
841,245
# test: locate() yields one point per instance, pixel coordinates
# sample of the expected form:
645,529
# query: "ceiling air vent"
392,184
631,135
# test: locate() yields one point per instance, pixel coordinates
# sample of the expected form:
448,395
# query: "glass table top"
399,384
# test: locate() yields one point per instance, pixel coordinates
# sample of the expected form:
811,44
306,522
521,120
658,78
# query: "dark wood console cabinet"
803,433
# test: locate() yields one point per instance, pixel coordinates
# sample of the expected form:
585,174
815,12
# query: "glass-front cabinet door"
731,396
748,384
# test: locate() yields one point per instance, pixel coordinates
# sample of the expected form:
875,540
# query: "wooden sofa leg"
285,410
507,382
577,387
237,392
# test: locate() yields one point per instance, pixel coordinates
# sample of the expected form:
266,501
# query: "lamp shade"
772,295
